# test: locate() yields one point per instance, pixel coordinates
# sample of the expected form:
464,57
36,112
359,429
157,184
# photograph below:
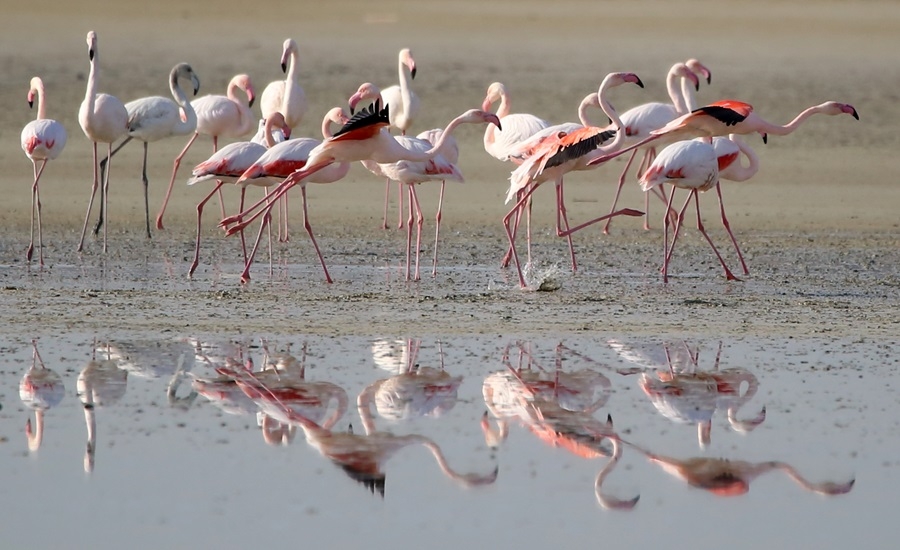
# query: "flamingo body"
286,96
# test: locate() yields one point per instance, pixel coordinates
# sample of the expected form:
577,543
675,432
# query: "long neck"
590,99
614,117
91,92
189,122
243,107
503,108
606,501
91,448
293,69
675,93
267,132
736,379
405,80
737,171
35,436
690,100
468,480
823,488
397,152
326,127
788,128
42,108
364,406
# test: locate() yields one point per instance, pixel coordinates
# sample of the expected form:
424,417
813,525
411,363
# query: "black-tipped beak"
412,73
765,138
30,104
639,83
697,86
499,127
251,102
709,78
91,54
855,114
284,67
352,111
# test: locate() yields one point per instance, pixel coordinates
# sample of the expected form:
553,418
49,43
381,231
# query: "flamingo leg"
36,206
562,216
400,205
437,229
269,230
509,231
287,229
146,183
237,221
103,164
679,223
728,274
409,224
221,198
105,201
420,220
622,177
243,241
87,216
728,229
387,199
312,237
175,165
245,275
508,256
667,248
200,206
622,212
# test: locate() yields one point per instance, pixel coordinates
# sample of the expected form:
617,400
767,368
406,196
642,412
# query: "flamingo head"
494,92
183,70
92,44
365,91
406,58
478,116
835,108
276,119
337,115
289,47
699,69
242,81
36,84
682,70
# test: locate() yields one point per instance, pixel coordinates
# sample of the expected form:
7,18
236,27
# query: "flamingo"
403,106
730,117
450,152
284,158
103,119
226,166
362,138
42,139
286,96
560,153
641,120
40,390
99,384
217,116
156,117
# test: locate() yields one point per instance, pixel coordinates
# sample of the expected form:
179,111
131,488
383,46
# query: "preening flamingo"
286,96
558,154
103,119
730,117
217,116
154,118
639,121
403,107
42,139
363,138
226,166
283,159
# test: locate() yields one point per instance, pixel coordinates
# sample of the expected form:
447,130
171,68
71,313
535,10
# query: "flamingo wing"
729,112
365,124
577,144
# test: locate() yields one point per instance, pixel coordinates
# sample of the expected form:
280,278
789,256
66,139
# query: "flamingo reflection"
152,360
360,456
415,391
100,384
40,390
686,395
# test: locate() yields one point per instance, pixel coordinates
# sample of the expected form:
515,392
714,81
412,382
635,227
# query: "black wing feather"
727,116
366,116
577,150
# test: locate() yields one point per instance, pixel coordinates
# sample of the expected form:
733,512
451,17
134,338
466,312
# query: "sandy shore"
819,222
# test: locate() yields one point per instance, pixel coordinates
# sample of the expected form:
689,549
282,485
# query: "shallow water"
171,466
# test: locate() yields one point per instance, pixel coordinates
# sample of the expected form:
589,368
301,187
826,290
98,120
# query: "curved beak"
412,72
637,80
91,53
286,130
765,137
196,82
352,102
495,120
708,76
852,110
251,97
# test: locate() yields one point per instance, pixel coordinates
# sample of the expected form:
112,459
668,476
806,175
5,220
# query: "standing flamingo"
217,116
40,390
560,153
154,118
226,166
103,119
403,106
283,159
362,138
43,139
730,117
286,96
450,152
641,120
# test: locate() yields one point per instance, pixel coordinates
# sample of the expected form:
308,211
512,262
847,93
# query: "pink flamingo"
226,166
730,117
641,120
403,105
103,119
40,390
217,116
450,152
362,138
42,139
154,118
561,153
286,96
284,158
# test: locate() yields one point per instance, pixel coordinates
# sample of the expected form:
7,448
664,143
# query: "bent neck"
676,93
189,123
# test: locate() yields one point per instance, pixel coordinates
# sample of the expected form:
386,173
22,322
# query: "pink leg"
420,220
243,241
387,199
508,256
175,166
509,232
667,257
312,237
409,225
269,229
562,216
221,198
622,212
728,274
437,230
728,229
36,205
619,188
105,195
399,205
200,206
87,216
245,275
287,231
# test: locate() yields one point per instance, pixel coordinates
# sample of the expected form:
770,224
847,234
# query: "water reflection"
415,391
686,395
40,390
100,384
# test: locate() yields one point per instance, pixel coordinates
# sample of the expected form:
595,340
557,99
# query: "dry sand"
819,223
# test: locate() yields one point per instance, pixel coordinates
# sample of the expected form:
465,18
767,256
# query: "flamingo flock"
683,145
